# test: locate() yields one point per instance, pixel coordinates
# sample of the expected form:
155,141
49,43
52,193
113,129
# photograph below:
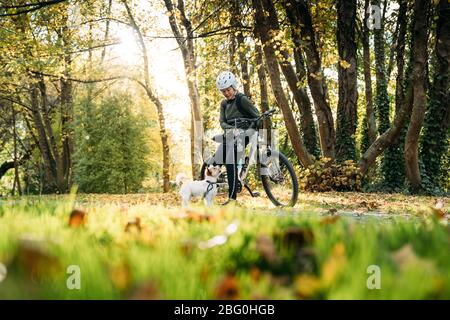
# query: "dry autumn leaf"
147,237
344,64
307,285
77,218
193,216
228,288
187,246
147,291
406,258
332,211
438,209
134,225
36,262
333,266
329,220
266,248
255,273
204,274
121,276
405,255
296,237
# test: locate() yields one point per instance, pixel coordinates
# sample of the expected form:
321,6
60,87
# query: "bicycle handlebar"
266,114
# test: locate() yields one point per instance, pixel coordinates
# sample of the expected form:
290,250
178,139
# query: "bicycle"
273,169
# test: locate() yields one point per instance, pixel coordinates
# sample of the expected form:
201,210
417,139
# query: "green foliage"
111,147
435,144
325,175
364,139
345,143
274,255
392,168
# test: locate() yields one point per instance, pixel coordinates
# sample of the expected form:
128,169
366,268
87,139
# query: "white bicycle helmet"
226,79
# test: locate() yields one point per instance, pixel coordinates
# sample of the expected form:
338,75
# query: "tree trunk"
300,96
188,52
316,79
347,76
46,114
64,160
382,97
437,119
16,162
264,102
387,138
232,53
370,114
67,134
106,36
391,167
390,136
402,24
242,49
49,162
154,99
421,9
264,30
306,116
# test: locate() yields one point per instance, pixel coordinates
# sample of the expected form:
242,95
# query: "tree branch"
35,6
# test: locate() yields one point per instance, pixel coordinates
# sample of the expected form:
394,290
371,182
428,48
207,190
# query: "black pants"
229,156
232,176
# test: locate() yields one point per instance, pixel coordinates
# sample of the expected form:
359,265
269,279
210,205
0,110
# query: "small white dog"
206,188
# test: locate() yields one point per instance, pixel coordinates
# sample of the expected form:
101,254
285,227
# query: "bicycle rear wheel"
279,180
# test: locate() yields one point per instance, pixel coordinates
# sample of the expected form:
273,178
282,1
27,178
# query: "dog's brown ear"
208,172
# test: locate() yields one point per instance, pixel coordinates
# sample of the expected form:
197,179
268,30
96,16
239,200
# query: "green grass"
276,254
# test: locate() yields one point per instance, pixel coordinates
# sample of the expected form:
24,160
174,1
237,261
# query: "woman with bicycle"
231,151
241,120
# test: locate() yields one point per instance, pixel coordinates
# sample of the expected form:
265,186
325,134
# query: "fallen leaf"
228,288
438,209
255,273
296,237
332,211
372,205
329,220
204,274
121,276
333,266
134,225
266,248
193,216
36,261
439,214
187,246
77,218
307,285
147,291
405,255
406,259
147,237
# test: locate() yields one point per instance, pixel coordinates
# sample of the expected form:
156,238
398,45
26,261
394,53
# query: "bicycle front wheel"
279,179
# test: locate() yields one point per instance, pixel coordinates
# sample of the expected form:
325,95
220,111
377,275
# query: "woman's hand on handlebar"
269,112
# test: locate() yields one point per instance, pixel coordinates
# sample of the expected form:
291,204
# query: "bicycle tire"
265,179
